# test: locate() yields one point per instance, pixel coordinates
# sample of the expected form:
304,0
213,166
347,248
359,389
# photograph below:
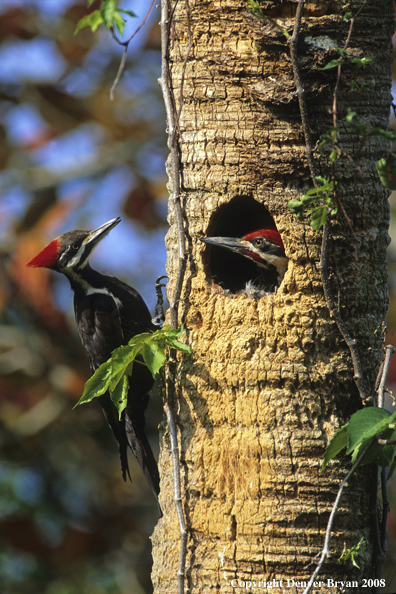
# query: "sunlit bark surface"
269,381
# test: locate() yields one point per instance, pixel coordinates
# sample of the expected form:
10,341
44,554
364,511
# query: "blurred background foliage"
69,158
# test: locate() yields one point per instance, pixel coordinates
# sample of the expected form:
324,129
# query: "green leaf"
118,371
295,206
338,442
365,424
92,20
256,11
122,360
167,331
319,218
325,138
119,395
90,2
180,346
140,339
386,168
388,134
383,455
352,120
333,64
361,62
128,12
351,554
351,115
391,469
119,22
96,385
154,357
108,10
114,374
310,192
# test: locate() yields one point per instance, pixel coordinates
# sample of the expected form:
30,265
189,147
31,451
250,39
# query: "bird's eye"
75,246
258,242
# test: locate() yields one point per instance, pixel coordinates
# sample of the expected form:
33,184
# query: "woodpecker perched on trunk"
265,248
108,314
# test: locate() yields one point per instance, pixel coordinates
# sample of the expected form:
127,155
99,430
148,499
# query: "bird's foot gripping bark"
159,316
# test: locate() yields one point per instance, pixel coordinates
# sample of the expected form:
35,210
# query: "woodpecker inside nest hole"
247,253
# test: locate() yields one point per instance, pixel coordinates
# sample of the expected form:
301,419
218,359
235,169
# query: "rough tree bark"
269,381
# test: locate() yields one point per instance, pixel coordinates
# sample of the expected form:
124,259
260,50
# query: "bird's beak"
230,243
95,236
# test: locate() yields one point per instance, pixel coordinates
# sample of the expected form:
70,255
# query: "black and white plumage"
265,248
108,314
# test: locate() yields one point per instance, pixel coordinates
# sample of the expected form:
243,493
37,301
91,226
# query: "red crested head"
48,256
271,234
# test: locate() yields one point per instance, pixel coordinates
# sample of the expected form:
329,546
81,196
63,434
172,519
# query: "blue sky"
135,254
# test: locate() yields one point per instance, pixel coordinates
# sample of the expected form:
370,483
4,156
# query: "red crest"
271,234
47,257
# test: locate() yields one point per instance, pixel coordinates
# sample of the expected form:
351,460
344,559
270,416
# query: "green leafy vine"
108,15
148,349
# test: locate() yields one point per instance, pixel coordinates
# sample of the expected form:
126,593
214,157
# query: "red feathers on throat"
47,257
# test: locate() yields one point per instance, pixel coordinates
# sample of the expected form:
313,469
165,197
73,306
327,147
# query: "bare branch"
389,350
326,550
335,313
166,87
323,264
170,416
335,93
292,41
124,55
119,74
323,268
383,535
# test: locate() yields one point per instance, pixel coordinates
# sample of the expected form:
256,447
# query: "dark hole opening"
237,218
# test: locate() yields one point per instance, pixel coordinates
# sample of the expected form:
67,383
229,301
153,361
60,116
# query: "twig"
124,55
334,113
292,41
119,74
335,313
326,550
335,93
389,350
175,199
323,265
334,310
385,510
170,416
159,314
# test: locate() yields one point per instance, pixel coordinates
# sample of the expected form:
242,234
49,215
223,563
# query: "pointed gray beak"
230,243
98,234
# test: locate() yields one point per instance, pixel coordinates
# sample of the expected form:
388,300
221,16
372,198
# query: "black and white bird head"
69,253
264,247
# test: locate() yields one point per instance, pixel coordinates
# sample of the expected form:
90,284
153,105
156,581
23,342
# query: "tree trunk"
270,380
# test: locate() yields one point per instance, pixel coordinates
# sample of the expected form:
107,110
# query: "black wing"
106,321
